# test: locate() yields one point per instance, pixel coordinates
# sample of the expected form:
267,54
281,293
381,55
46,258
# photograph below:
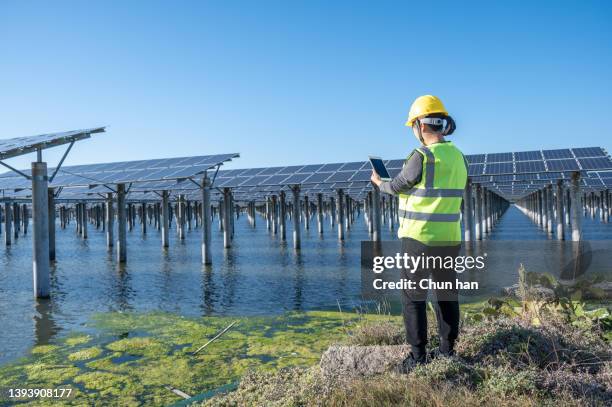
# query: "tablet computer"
379,166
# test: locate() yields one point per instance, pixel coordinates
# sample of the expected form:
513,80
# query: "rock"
342,362
536,291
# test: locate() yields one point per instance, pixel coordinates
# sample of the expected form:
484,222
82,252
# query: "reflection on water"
259,275
44,325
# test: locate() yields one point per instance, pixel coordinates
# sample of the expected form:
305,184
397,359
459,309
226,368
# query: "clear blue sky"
303,82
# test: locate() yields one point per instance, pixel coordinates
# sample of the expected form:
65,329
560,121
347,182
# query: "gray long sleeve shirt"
409,176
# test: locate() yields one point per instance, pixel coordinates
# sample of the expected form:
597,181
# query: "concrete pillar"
25,218
121,225
467,212
227,218
7,223
143,218
332,211
268,212
274,215
478,213
84,220
40,230
165,219
576,207
180,217
109,219
282,215
297,241
16,220
391,211
605,196
340,209
560,215
487,209
206,221
51,212
549,209
306,213
376,215
347,212
320,212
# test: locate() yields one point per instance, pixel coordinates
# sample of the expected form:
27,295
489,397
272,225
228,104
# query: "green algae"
43,349
77,339
134,356
85,354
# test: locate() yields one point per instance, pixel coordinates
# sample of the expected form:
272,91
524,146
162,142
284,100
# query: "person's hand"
375,178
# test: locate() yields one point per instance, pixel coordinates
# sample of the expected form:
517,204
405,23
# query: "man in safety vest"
430,189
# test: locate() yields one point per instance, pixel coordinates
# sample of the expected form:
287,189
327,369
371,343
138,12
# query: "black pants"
414,303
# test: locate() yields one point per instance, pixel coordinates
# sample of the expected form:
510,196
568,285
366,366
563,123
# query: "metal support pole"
282,215
549,209
121,225
165,219
576,207
109,218
274,215
227,219
376,220
605,205
84,220
560,216
467,212
206,221
340,209
143,218
40,230
51,211
320,212
7,223
478,213
296,218
306,212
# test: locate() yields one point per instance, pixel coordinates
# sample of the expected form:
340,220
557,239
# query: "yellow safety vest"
430,212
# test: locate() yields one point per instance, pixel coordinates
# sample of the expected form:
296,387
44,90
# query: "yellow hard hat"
424,106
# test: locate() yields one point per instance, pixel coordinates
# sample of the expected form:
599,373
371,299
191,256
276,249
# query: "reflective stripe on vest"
430,212
431,217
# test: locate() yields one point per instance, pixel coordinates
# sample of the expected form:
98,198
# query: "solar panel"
499,168
530,166
475,169
310,168
296,178
475,158
319,177
562,165
330,167
595,163
363,175
340,176
528,156
290,170
23,145
589,152
354,166
394,164
557,154
499,157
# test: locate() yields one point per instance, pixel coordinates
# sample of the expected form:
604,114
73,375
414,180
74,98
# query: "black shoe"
437,353
410,363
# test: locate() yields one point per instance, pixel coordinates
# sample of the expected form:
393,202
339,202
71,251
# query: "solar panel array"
23,145
510,174
124,172
539,161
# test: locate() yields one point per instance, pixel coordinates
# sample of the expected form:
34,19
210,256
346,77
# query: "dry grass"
501,363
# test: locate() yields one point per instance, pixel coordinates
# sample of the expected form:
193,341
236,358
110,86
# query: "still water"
259,275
